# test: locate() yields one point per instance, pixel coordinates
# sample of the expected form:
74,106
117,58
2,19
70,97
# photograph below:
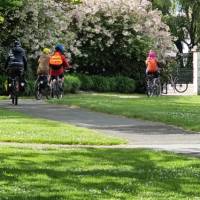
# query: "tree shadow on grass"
95,174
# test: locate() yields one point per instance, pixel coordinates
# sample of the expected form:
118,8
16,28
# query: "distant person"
43,66
58,63
152,64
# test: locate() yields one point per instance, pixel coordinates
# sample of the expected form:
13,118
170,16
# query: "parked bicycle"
57,88
175,82
153,86
41,87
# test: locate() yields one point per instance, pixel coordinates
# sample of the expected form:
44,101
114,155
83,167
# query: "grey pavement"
139,133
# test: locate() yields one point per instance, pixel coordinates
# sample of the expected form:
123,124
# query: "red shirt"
60,71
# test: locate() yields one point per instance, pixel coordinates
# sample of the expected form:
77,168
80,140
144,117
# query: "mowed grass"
88,174
3,97
17,127
182,111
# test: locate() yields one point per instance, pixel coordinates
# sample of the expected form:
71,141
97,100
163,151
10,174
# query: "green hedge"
3,81
71,84
107,84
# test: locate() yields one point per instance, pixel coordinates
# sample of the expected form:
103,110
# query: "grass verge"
17,127
85,174
182,111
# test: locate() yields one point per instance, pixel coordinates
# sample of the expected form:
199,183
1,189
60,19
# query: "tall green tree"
183,18
6,5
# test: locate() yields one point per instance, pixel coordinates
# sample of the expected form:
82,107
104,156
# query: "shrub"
101,84
3,85
86,82
125,85
107,84
71,84
29,88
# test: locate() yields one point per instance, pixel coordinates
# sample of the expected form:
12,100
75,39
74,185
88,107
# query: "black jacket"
17,58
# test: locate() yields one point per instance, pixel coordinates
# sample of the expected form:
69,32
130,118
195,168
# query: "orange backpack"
56,60
152,65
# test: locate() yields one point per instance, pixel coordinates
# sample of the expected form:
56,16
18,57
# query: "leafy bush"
86,82
29,88
125,85
107,84
101,84
3,85
71,84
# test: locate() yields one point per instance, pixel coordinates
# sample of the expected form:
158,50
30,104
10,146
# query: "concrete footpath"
139,133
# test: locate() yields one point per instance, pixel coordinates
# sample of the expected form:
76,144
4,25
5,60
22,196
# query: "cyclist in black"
16,64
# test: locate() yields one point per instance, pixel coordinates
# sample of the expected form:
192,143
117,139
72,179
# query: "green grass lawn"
100,174
3,97
180,111
16,127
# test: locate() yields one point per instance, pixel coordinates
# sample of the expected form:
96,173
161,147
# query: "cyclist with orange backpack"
152,64
58,63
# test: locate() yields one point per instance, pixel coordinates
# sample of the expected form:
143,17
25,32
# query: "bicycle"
177,84
153,85
41,87
14,86
57,87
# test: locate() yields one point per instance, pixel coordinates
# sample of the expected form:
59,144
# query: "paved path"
139,133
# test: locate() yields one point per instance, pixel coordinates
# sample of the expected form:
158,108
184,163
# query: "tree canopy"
183,18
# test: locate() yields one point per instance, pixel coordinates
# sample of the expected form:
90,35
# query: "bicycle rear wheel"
156,91
38,95
16,100
149,88
181,87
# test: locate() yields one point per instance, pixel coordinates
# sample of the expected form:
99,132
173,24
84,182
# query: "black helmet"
17,43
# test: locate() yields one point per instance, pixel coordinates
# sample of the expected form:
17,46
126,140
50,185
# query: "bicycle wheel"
54,89
157,88
61,89
47,92
38,94
181,87
14,93
149,89
13,99
16,100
